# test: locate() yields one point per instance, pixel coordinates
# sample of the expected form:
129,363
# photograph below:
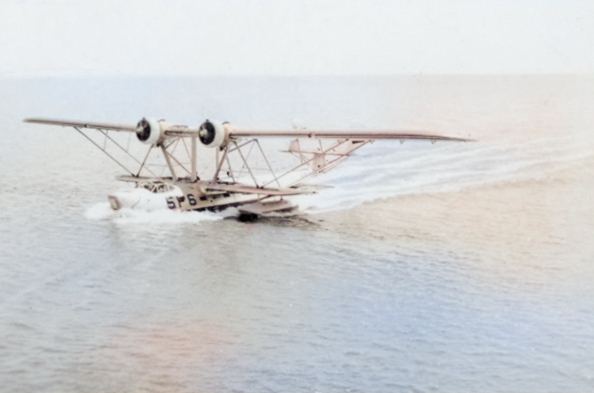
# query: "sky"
41,38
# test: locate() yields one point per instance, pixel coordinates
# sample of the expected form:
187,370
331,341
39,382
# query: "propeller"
143,130
207,132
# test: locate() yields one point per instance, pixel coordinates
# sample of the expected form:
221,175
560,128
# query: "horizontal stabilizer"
314,186
243,189
136,179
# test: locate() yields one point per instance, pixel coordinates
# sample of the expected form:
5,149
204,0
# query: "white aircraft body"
183,188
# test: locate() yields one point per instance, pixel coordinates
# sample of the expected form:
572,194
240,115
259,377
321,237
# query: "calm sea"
445,267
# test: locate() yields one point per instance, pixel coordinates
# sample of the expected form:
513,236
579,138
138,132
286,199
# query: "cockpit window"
157,188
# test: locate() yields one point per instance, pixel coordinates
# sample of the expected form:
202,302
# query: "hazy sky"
289,37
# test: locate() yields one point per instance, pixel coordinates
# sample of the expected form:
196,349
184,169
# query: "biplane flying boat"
234,182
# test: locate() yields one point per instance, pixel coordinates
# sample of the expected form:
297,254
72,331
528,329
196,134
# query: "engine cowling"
150,131
213,133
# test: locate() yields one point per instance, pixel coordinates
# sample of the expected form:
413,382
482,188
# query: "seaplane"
174,181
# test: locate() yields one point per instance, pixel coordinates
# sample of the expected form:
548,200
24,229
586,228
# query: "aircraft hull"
182,196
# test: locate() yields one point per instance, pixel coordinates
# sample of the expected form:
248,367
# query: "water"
443,267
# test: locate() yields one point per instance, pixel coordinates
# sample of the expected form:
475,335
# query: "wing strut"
104,151
148,153
246,164
220,164
168,159
194,174
268,163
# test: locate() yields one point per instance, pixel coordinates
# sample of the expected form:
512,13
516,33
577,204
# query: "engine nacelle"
213,133
151,131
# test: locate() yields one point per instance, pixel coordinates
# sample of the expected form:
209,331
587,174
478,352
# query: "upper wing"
344,134
171,130
235,133
80,124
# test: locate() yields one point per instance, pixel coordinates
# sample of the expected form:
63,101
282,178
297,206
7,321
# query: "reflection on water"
427,267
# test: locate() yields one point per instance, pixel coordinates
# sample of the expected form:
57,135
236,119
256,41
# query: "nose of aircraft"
114,202
120,200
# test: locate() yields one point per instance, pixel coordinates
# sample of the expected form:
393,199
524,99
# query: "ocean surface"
425,268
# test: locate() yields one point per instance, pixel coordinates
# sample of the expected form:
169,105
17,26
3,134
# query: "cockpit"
157,188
